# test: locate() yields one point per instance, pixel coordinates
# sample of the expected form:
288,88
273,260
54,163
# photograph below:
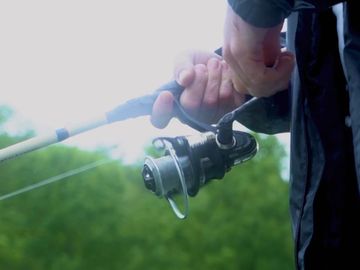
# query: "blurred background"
64,61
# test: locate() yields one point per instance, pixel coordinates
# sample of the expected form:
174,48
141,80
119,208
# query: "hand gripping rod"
136,107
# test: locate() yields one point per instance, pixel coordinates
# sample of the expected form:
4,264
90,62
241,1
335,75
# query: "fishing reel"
190,162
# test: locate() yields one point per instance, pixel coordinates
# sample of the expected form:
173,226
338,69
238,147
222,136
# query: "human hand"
255,56
208,93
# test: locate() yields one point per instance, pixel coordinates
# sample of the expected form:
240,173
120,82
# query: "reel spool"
165,176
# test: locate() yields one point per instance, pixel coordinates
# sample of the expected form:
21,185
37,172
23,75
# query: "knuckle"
225,96
210,101
201,69
191,105
213,84
226,90
201,75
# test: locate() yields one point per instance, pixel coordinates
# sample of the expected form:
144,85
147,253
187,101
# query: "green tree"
106,219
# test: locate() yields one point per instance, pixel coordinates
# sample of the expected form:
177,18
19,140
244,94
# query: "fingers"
191,98
209,90
186,77
185,63
211,95
230,96
227,86
285,66
190,72
201,98
162,110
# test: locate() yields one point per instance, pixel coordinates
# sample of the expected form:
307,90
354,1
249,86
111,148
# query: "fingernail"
289,59
159,121
183,74
288,56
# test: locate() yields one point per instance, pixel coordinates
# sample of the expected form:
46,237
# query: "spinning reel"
191,162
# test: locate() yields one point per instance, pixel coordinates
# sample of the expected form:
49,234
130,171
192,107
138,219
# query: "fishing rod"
136,107
187,162
133,108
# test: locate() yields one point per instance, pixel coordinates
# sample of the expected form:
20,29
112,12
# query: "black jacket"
325,125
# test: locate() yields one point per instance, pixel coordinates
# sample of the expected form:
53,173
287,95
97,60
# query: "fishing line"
56,178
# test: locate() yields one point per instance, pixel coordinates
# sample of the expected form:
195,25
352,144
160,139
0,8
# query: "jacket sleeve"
262,13
269,13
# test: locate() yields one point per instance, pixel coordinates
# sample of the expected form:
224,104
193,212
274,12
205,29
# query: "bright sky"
63,61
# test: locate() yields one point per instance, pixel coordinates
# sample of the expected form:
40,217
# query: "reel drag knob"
149,179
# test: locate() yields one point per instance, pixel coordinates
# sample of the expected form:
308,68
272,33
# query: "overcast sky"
63,61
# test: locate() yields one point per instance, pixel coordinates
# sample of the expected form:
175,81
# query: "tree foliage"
106,219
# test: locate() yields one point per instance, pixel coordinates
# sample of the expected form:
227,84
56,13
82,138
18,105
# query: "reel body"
190,162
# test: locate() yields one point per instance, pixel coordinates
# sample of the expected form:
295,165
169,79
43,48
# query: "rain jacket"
325,125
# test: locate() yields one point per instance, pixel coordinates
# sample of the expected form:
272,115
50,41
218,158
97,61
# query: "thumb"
286,63
284,68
